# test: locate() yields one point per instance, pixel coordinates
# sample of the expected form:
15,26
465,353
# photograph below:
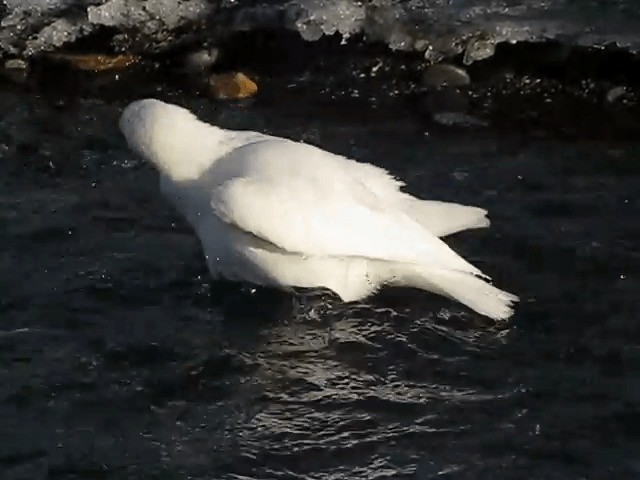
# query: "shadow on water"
119,358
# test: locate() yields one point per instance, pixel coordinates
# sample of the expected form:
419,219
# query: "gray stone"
199,61
444,75
615,93
478,49
16,64
16,70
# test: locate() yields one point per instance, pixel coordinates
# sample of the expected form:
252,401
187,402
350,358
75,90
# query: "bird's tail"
466,288
444,218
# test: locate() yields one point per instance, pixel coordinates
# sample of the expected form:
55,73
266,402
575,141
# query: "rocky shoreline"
547,89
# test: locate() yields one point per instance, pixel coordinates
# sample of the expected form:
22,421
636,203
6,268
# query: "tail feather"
468,289
443,218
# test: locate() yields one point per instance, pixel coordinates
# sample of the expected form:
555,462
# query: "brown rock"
94,62
232,85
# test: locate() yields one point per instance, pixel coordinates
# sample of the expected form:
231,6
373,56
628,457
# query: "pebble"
232,85
615,93
200,61
478,49
16,64
16,70
444,75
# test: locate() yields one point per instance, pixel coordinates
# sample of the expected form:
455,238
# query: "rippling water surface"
120,359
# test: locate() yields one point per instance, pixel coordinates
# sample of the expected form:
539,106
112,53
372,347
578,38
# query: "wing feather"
339,218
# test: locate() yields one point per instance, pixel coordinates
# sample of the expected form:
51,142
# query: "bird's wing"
338,217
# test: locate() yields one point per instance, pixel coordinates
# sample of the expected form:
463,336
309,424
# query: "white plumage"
280,213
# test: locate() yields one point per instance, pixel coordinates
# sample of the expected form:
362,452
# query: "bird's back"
274,158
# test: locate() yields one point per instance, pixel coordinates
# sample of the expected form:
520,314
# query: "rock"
615,93
93,62
479,48
16,64
232,85
16,70
420,45
200,61
444,75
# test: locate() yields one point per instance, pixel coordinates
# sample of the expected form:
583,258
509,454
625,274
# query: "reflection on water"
120,358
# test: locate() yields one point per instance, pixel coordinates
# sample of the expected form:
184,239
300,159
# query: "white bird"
280,213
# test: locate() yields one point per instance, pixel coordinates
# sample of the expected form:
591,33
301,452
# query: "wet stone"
16,70
232,86
615,94
16,64
444,75
200,61
479,49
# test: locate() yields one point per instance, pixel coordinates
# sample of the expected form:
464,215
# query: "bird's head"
169,136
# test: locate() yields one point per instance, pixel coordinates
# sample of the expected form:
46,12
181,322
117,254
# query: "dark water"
120,359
